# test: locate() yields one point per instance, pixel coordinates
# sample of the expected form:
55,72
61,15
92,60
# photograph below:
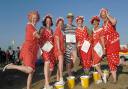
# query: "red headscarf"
59,19
79,17
95,18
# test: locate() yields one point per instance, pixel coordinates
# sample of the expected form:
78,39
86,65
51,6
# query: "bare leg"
60,66
50,73
58,76
46,73
22,68
74,55
99,70
114,75
25,69
69,69
74,58
29,80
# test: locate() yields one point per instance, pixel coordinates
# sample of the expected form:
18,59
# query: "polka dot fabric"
96,39
112,45
46,35
82,35
29,48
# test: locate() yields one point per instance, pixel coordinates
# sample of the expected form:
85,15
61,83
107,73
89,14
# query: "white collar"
32,25
97,30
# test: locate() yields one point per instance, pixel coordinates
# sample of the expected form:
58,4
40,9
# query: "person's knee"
30,70
47,62
74,54
61,58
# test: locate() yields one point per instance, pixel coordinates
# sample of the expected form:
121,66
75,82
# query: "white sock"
61,79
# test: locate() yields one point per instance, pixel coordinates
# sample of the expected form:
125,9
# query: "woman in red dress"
59,48
47,55
29,49
97,40
81,36
112,43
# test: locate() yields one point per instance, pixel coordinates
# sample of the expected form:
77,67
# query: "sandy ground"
12,79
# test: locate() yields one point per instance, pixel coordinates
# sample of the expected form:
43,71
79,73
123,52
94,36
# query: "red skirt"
96,58
28,54
86,59
49,56
113,55
57,53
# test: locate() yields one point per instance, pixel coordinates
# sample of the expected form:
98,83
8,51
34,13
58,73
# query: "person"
70,50
2,57
17,54
82,36
123,60
97,41
112,42
47,41
7,56
29,48
59,48
11,55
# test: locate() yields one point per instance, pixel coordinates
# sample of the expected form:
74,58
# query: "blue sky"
13,15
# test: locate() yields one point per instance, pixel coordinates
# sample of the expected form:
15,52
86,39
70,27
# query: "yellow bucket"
85,81
59,86
71,82
99,76
96,76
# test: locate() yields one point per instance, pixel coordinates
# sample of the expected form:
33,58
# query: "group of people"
67,44
9,56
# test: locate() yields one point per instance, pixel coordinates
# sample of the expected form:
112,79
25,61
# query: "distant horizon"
14,15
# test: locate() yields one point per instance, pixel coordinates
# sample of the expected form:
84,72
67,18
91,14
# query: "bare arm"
112,19
36,34
58,42
78,44
103,44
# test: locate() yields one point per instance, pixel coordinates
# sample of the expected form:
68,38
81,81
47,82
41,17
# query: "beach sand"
13,79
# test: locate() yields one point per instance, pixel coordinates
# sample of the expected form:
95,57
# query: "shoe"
104,79
61,82
99,81
6,67
48,87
